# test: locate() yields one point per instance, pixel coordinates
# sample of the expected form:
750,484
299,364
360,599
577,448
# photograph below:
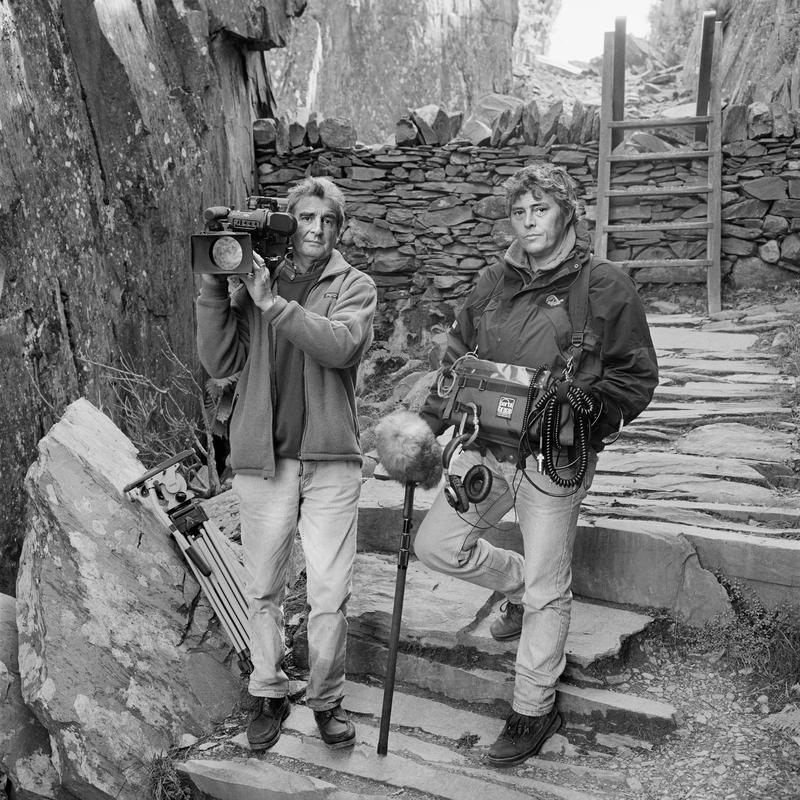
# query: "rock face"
117,655
118,126
397,55
760,54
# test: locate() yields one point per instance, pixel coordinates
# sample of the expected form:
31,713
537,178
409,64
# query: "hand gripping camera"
231,237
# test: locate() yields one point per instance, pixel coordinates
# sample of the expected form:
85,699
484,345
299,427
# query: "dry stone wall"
426,216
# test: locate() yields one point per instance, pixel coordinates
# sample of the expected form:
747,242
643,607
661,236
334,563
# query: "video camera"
231,237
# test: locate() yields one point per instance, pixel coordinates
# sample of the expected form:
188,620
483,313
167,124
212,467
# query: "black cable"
583,412
547,410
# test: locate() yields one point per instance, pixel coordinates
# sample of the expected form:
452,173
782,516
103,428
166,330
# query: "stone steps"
433,748
697,484
442,613
650,563
446,648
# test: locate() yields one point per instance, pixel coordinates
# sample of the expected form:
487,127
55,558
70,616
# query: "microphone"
408,450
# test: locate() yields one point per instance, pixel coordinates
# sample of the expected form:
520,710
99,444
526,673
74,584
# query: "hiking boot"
265,722
509,624
522,738
335,727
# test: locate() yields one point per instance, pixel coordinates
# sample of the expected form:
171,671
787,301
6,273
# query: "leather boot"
522,738
265,722
509,624
335,727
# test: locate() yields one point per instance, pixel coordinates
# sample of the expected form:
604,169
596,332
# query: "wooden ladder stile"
707,140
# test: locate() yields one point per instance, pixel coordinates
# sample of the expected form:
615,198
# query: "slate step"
603,709
452,770
444,613
447,648
649,571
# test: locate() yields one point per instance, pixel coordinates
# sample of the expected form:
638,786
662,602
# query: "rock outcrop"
760,54
118,655
396,54
119,123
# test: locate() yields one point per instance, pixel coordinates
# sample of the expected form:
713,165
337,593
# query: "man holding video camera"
547,307
297,337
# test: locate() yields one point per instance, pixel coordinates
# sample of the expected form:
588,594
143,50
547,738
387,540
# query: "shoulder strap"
477,311
583,337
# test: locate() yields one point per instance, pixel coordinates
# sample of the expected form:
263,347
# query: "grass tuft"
763,639
163,781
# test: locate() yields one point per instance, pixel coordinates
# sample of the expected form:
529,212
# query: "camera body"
231,237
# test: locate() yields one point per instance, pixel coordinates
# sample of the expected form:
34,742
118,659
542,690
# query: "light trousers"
320,500
541,581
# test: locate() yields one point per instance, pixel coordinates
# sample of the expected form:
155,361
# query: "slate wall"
425,218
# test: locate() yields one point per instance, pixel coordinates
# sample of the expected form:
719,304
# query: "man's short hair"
324,188
548,178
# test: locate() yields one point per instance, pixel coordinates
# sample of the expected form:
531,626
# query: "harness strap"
583,340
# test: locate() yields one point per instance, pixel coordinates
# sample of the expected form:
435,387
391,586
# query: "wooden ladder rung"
657,226
657,191
666,262
675,155
660,122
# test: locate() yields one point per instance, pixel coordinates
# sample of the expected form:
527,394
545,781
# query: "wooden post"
704,75
603,164
714,240
618,79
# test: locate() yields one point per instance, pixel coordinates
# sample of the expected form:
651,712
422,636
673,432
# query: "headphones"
474,487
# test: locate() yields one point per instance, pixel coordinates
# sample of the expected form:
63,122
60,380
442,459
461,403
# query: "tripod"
213,563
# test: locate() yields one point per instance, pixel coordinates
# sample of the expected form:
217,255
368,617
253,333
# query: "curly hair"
323,188
545,178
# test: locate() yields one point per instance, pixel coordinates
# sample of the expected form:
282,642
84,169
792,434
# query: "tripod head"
165,482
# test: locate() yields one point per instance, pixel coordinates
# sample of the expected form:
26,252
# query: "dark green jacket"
514,317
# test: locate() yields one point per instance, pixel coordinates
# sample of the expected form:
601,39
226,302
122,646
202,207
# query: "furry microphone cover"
408,450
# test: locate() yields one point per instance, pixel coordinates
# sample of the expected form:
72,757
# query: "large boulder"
24,743
118,653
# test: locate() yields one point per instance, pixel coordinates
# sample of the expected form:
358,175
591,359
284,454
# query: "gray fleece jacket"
333,329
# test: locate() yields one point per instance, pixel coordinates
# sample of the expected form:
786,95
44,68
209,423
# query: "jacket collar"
519,270
336,265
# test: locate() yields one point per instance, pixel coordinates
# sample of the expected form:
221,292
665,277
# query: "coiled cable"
547,409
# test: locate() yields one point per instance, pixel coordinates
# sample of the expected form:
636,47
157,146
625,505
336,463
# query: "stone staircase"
705,480
435,750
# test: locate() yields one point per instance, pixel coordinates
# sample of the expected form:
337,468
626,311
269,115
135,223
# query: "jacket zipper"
305,387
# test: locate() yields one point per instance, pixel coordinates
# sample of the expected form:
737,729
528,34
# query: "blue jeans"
541,581
320,500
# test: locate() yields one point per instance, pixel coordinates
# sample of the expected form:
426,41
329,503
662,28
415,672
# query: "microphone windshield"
408,450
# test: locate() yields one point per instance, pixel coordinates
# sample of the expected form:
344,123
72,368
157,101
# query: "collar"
516,261
334,264
560,255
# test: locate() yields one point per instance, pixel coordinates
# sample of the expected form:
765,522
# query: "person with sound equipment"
297,337
548,358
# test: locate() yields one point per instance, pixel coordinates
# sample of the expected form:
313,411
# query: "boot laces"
337,713
518,726
510,609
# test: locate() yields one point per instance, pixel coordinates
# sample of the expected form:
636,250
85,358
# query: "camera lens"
227,253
